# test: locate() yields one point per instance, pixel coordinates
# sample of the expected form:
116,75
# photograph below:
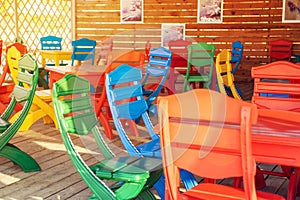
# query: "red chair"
277,87
280,50
105,49
209,150
179,60
6,87
102,110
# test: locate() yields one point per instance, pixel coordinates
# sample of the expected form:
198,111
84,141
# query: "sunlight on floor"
61,147
6,179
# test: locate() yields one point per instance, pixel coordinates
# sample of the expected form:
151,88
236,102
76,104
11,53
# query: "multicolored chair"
134,176
236,55
201,60
83,50
126,100
225,78
27,74
280,49
197,134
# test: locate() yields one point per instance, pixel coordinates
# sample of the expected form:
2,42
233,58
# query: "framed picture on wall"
132,11
210,11
170,32
291,11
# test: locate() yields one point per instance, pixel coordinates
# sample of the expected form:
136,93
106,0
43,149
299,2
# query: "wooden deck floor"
58,179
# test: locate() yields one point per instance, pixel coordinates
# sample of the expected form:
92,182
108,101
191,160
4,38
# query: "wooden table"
89,72
56,56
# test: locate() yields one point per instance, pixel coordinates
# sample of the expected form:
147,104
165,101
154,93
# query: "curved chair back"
126,100
200,64
236,55
225,77
83,50
75,115
13,55
27,74
280,50
213,148
179,49
156,73
51,43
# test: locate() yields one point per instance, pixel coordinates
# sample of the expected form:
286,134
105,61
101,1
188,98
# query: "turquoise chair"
126,101
83,50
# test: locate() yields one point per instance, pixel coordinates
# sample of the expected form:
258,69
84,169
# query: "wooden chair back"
236,55
201,60
218,143
280,50
51,43
277,86
225,77
83,50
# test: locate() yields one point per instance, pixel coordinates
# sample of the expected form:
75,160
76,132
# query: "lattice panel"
34,19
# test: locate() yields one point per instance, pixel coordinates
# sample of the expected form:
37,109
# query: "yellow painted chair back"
225,77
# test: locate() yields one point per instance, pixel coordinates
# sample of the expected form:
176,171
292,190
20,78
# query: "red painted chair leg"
293,184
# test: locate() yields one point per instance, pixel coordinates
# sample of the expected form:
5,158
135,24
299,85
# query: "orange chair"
209,150
102,110
280,50
6,86
277,87
179,60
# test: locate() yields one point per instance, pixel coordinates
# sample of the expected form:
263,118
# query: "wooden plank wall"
254,23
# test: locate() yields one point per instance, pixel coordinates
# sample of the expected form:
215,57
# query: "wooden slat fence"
254,23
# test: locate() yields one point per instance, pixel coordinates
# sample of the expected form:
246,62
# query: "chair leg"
19,157
293,184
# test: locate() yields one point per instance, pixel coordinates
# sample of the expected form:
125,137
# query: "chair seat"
151,148
127,168
3,125
222,192
198,78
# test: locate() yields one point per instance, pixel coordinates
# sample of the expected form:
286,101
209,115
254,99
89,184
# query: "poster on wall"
210,11
170,32
132,11
291,11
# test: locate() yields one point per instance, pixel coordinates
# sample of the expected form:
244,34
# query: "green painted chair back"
75,114
27,75
200,64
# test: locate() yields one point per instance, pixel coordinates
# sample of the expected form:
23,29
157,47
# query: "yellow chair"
225,77
41,107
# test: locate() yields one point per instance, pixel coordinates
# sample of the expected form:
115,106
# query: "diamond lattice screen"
32,19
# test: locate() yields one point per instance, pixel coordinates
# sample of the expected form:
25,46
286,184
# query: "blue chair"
51,43
83,50
126,100
236,55
156,75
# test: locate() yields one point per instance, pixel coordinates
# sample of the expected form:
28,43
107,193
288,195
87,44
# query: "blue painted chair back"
83,50
126,100
51,43
236,55
157,69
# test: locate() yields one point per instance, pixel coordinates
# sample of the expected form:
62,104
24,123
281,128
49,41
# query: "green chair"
134,176
200,65
27,75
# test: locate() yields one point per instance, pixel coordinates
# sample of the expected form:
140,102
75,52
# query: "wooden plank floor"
58,179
